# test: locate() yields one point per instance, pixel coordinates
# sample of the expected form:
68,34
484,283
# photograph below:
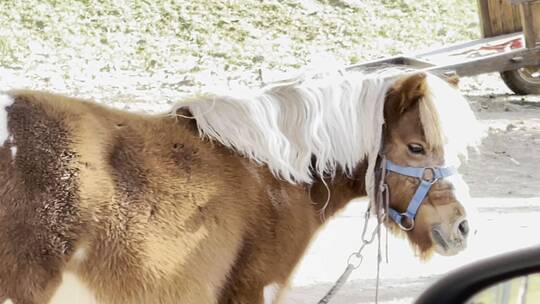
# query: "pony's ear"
404,95
411,89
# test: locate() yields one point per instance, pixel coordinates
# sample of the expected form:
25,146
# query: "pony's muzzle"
451,241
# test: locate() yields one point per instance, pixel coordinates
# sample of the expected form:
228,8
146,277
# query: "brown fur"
161,215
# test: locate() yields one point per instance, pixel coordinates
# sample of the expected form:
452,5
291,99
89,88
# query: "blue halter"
405,220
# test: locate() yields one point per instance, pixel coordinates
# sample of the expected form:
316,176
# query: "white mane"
336,119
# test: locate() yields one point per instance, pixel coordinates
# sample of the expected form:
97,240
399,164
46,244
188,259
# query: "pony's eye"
416,148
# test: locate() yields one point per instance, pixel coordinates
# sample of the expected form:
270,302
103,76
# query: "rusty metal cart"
511,46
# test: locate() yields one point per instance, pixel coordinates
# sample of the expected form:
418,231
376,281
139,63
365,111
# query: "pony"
216,200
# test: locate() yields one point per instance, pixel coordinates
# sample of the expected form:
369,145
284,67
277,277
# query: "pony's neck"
343,189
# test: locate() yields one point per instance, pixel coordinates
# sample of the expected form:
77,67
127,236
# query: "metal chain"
356,258
353,262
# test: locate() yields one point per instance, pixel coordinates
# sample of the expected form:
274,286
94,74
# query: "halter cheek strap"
405,220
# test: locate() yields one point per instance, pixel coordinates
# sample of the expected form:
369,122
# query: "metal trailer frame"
501,53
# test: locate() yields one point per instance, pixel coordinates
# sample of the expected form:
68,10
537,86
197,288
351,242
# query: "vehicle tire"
523,81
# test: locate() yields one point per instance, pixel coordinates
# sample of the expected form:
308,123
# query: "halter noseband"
405,220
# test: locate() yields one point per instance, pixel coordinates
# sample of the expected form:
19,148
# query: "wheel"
523,81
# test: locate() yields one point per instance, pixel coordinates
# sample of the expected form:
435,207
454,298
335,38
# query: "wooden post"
483,11
498,17
530,18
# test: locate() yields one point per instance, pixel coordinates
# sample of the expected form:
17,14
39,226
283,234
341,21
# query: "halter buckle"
404,217
433,178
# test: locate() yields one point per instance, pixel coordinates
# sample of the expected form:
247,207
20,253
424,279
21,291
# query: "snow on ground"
502,224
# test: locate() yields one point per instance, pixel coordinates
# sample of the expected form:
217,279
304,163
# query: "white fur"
80,255
456,121
337,118
270,293
13,151
5,101
8,301
73,290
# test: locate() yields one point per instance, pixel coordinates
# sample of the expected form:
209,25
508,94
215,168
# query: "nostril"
463,228
439,238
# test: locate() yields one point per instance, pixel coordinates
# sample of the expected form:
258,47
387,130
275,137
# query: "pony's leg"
244,288
242,293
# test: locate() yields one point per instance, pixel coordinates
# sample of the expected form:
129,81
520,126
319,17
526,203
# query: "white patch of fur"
72,290
8,301
271,292
80,255
5,101
13,151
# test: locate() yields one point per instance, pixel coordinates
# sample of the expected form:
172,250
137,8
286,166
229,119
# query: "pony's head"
428,124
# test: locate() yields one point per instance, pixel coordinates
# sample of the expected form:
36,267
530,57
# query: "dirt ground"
508,162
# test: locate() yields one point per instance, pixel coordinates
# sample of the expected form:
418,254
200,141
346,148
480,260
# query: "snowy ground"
504,181
503,224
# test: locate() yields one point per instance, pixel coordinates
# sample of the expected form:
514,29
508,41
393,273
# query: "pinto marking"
73,290
80,255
